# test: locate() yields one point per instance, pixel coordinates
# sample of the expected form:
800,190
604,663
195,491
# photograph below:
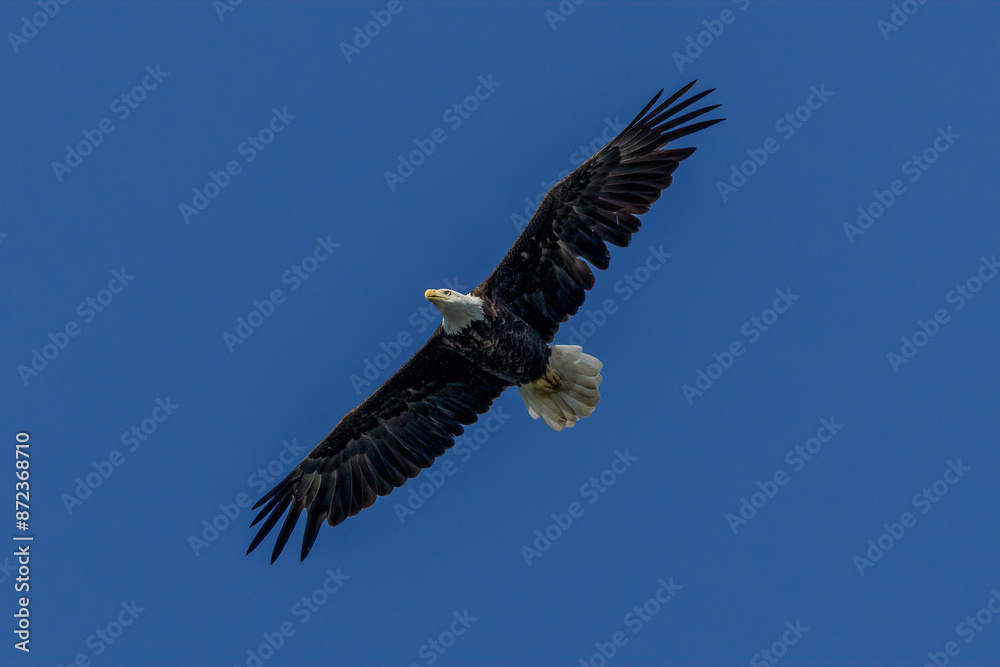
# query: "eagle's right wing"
395,433
542,277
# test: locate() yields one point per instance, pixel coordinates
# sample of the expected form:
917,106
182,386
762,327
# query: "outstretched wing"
395,433
542,277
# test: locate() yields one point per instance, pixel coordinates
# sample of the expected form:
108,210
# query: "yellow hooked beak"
432,294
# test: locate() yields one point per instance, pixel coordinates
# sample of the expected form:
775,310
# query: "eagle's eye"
447,292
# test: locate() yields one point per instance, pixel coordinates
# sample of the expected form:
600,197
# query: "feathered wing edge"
543,276
393,435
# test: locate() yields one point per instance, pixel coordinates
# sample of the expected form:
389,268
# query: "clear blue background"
323,176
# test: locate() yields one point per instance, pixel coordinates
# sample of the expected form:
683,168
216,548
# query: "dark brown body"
502,344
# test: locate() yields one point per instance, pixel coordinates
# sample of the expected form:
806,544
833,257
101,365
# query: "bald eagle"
497,336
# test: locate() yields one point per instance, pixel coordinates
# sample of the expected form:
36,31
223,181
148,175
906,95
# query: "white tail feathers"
568,390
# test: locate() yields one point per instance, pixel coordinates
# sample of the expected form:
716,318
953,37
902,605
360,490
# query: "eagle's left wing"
395,433
542,277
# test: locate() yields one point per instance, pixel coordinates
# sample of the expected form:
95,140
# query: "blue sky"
794,460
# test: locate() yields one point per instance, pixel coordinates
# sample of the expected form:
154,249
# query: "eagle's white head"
458,310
